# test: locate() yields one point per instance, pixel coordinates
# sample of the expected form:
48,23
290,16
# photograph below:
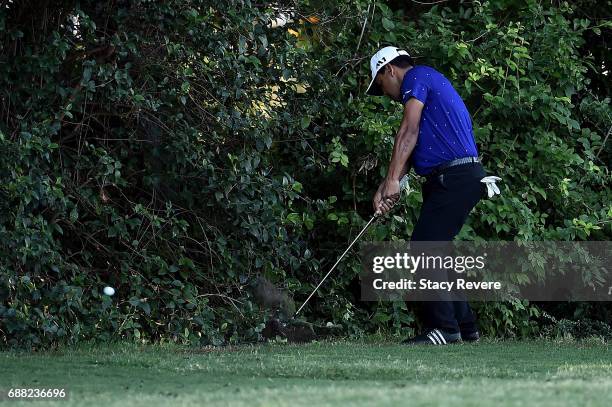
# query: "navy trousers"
448,198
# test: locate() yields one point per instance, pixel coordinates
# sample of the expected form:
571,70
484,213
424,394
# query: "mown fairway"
327,373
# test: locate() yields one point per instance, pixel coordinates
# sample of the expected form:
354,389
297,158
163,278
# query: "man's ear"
390,70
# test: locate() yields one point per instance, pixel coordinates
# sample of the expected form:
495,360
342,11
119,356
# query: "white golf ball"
109,291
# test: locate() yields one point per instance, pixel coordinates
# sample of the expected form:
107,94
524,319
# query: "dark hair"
402,61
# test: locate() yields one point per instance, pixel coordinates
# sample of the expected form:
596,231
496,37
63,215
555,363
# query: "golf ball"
109,291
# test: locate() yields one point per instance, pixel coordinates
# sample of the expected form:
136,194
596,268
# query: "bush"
175,151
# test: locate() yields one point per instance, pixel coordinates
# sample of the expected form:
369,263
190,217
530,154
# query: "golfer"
436,138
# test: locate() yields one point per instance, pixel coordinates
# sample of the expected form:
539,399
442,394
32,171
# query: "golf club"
298,331
403,185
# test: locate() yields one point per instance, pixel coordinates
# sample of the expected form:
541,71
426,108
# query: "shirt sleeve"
414,87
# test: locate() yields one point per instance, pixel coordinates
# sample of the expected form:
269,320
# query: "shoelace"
492,188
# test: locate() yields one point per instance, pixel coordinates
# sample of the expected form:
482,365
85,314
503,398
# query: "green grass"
496,374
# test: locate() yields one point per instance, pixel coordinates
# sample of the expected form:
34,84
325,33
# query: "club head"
294,331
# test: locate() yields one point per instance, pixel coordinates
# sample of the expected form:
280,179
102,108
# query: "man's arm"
405,140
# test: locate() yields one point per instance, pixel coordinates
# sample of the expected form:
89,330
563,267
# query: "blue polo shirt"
445,130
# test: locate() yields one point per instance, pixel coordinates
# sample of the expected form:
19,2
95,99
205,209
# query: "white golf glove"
492,187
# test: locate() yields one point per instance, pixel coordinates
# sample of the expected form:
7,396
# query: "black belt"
459,161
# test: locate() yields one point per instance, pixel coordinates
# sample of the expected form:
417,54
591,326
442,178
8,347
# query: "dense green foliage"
174,150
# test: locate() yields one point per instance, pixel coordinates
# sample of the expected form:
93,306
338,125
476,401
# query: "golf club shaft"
403,186
334,266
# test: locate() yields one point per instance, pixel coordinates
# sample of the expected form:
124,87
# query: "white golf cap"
380,59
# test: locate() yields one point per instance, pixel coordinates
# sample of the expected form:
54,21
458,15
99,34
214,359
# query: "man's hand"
389,192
